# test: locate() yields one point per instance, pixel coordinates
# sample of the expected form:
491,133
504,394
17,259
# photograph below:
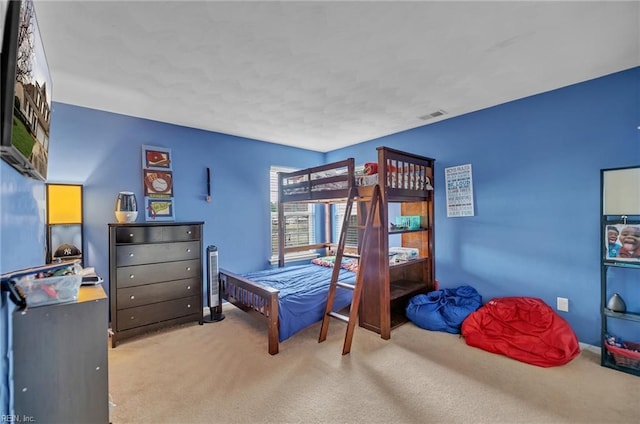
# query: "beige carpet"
222,373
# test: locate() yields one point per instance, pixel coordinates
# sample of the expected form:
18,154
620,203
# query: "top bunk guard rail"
327,182
405,176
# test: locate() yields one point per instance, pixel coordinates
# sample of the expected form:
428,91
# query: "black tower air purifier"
214,300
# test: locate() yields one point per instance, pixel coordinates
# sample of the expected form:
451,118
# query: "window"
299,222
352,231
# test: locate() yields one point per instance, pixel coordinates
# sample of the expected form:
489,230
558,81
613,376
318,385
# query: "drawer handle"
132,317
188,287
131,276
189,232
188,268
132,297
188,250
130,234
188,306
131,255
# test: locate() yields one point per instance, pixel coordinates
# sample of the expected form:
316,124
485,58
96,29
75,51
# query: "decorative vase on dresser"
155,276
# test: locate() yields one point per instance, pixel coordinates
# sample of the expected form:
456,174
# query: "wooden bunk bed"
403,177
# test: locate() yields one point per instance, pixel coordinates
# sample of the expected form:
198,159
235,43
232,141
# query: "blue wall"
22,245
536,176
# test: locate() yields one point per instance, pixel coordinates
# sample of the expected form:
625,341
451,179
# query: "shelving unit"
607,358
620,208
389,287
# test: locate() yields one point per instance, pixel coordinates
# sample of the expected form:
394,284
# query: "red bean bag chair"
522,328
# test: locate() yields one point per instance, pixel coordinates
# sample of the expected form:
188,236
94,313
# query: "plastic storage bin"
41,289
45,291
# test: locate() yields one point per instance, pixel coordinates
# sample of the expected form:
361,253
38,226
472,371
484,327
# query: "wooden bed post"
383,264
273,331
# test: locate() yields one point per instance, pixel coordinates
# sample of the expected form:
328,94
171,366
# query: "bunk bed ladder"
357,288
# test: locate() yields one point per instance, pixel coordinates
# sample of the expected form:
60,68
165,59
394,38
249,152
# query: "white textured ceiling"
323,75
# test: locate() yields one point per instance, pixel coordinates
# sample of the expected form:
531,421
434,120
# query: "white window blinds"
299,220
352,231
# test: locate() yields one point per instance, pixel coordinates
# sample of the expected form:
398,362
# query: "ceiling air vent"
438,113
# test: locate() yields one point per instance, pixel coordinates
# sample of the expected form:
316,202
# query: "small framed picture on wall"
622,242
156,158
157,183
159,209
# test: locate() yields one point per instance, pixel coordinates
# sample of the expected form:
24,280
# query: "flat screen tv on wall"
26,87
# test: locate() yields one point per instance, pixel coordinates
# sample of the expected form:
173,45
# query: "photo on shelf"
622,242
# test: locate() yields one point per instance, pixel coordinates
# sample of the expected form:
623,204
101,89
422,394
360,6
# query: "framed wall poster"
622,242
158,209
459,194
156,158
157,181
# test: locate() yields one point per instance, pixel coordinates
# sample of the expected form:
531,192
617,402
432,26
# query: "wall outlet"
563,304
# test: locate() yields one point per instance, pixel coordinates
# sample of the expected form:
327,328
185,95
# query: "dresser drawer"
153,234
138,235
136,275
181,233
157,312
137,254
159,292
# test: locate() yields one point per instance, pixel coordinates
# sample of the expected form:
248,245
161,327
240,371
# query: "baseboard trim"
590,348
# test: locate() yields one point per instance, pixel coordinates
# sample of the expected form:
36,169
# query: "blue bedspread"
303,293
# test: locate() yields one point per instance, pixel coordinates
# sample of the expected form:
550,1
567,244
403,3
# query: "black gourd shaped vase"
616,303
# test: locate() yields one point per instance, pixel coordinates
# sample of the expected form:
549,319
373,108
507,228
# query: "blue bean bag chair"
443,310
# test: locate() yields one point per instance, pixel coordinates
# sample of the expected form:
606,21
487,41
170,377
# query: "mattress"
303,293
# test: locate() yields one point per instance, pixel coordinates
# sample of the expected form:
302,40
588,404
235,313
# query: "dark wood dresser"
155,276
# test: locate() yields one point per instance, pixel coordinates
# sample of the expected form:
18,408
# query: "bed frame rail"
319,183
251,297
405,176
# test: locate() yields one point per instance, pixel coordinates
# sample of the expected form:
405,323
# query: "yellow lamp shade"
64,203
